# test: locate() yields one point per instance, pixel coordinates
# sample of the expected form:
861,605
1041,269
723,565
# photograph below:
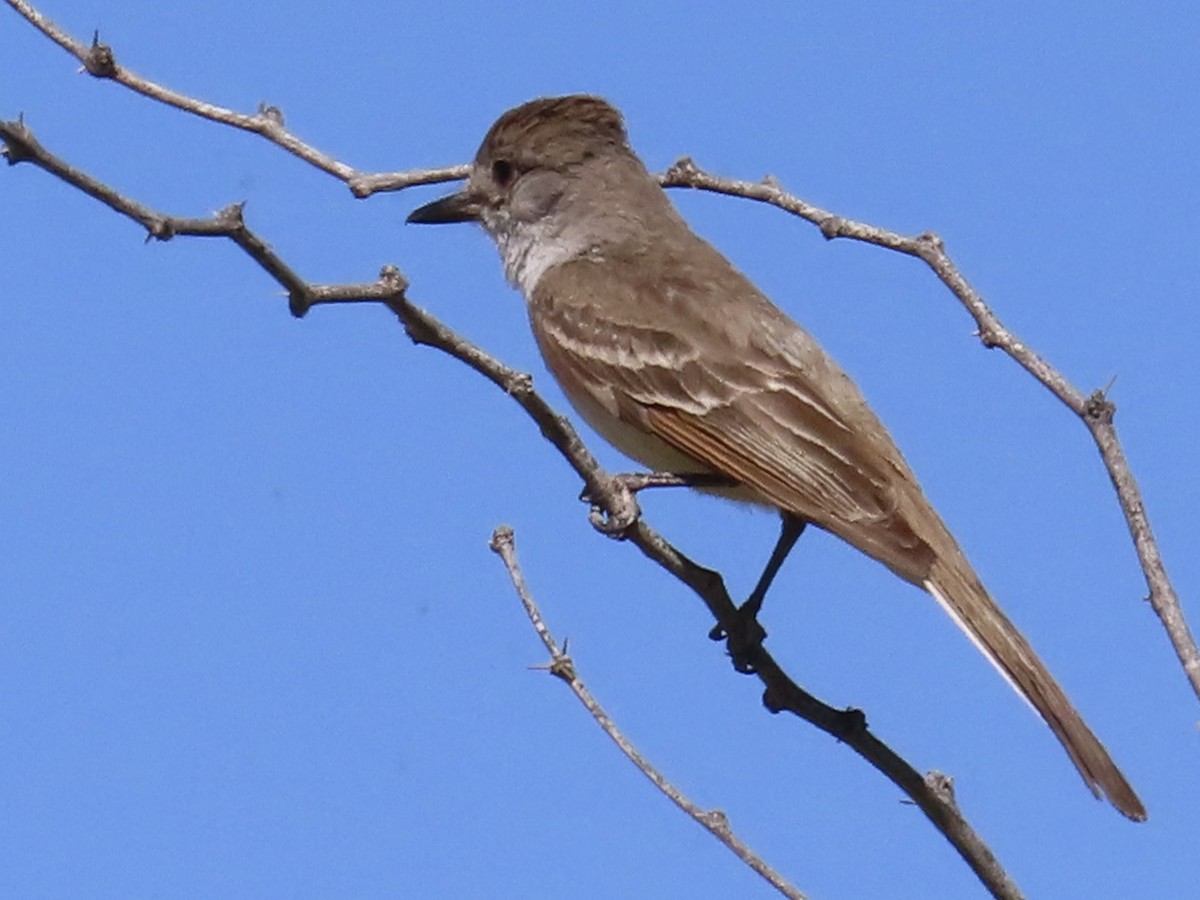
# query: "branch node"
930,240
391,278
831,227
684,170
160,228
518,384
1099,409
942,786
300,301
850,724
988,336
19,143
231,217
563,668
502,538
100,61
773,700
272,115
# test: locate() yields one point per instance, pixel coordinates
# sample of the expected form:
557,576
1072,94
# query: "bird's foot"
743,636
614,499
614,506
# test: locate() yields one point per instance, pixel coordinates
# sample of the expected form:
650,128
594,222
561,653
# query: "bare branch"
1096,411
615,510
366,184
100,61
563,667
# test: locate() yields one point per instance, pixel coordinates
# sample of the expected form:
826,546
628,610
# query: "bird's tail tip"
981,620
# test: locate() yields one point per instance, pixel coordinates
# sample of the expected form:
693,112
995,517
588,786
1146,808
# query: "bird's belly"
652,452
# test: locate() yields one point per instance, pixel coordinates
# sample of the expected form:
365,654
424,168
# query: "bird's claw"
614,507
743,636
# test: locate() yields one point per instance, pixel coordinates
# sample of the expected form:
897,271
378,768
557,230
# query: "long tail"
959,592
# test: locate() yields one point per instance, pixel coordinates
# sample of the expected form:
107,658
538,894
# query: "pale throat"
529,249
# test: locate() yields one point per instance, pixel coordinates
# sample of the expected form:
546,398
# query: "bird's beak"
459,207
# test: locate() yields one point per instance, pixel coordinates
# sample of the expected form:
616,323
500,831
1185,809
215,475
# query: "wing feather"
656,359
749,405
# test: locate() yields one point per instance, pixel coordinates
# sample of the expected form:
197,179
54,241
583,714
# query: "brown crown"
554,132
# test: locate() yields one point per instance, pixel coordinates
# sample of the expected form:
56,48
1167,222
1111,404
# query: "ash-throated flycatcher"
673,356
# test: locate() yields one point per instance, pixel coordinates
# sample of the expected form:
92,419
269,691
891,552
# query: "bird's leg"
790,530
745,632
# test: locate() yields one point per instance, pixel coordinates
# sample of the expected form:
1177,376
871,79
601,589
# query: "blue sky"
252,641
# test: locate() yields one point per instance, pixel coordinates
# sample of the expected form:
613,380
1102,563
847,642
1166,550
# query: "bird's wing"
752,403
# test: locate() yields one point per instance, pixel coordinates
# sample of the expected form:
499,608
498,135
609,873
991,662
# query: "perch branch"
562,667
611,496
1095,410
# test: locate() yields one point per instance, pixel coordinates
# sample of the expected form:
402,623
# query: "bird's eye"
503,172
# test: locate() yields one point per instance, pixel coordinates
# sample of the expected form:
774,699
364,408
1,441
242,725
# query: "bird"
674,357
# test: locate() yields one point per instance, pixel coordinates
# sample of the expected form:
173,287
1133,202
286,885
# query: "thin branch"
615,510
20,145
1096,411
100,61
563,667
616,507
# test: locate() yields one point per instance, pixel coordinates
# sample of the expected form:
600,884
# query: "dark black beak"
460,207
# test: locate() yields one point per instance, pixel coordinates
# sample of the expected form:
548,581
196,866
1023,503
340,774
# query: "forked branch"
613,498
563,667
1095,410
610,495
